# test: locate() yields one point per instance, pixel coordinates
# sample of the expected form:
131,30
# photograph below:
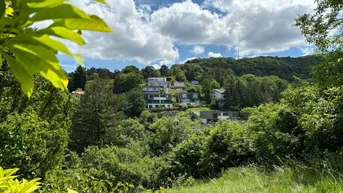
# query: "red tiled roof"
78,92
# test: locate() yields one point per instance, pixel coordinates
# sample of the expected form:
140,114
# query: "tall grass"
289,179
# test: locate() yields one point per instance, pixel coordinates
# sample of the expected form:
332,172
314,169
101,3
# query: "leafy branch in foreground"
9,183
324,27
29,51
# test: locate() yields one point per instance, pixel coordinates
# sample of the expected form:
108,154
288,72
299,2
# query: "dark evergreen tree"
97,114
79,78
164,70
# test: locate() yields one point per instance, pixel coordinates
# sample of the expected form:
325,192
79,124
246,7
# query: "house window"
184,95
225,114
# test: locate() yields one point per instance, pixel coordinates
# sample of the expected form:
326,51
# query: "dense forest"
288,138
283,67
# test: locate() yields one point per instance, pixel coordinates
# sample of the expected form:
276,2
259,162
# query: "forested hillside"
283,67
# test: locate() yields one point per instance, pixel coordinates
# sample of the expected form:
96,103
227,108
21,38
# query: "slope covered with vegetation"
283,67
107,141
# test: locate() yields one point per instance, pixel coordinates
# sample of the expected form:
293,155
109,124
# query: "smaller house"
158,100
151,89
208,117
179,86
219,94
162,83
194,82
188,99
154,99
78,93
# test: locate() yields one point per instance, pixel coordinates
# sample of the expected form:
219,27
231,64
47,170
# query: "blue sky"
156,32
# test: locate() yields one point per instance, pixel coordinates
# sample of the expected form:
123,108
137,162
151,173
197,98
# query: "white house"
162,83
188,99
179,86
219,94
154,99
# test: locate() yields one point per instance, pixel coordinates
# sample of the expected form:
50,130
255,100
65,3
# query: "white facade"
157,80
157,105
219,94
162,83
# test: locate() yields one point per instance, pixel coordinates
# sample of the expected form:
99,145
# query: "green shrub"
9,183
274,134
170,131
187,155
30,143
226,146
102,170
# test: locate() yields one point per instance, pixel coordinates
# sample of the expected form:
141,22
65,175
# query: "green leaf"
9,12
78,58
102,1
45,4
21,75
46,41
71,191
10,172
30,186
63,32
41,60
43,40
63,11
93,24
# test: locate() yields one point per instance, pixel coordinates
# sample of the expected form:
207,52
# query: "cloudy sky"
156,32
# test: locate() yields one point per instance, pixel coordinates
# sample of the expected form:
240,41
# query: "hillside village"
157,95
211,89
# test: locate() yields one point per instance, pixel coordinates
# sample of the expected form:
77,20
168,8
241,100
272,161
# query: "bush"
127,131
170,131
187,155
29,143
102,170
274,134
226,146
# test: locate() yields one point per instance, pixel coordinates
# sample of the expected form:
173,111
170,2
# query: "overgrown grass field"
280,180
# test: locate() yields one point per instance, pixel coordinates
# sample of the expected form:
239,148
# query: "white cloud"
156,66
192,58
134,38
149,37
307,51
188,23
214,55
264,26
198,50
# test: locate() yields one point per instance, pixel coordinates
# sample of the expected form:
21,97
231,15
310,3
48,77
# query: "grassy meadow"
280,180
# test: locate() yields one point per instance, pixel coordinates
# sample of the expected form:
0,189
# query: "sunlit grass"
197,109
280,180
